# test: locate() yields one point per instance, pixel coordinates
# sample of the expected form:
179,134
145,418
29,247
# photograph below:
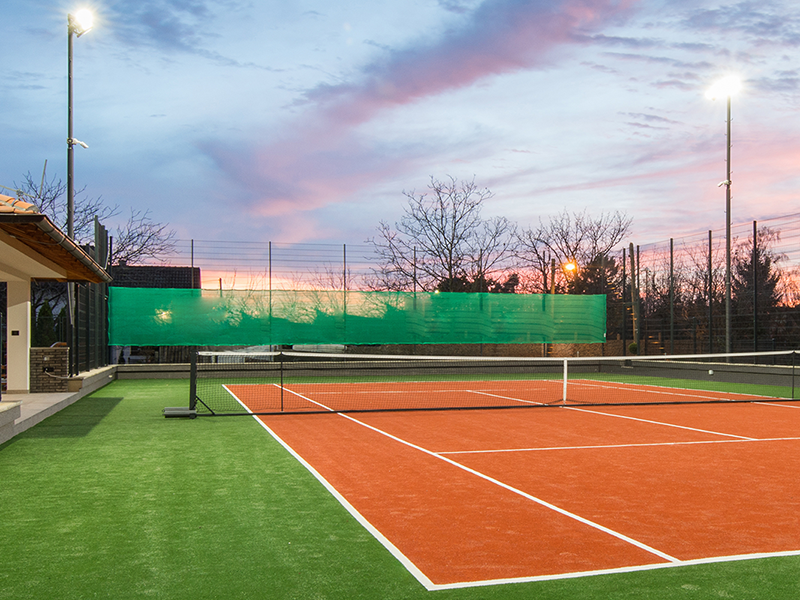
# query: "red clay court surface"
467,498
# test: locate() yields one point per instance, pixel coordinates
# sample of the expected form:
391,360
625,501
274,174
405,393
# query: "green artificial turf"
107,499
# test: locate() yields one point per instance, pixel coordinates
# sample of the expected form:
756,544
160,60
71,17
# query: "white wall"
18,331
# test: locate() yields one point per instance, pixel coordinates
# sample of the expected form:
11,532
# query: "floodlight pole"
727,87
728,236
74,27
71,338
77,27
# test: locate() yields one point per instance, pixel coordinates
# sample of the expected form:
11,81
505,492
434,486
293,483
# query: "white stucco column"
18,330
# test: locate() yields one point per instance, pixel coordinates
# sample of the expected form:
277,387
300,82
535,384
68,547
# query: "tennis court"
478,497
109,499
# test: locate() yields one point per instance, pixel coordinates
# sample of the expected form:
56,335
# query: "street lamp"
570,269
77,25
725,88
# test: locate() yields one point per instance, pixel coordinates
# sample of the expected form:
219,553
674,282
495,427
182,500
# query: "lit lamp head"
724,88
80,22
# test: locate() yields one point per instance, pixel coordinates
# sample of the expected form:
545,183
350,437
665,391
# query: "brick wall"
55,361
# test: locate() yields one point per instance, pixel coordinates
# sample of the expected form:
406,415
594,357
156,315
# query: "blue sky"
305,121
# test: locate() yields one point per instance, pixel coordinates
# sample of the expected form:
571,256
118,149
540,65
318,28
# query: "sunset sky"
304,121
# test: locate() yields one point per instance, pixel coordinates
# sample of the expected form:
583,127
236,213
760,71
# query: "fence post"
710,298
344,289
624,308
193,379
755,287
635,298
671,297
269,283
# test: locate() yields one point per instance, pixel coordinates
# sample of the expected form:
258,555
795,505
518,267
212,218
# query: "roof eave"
95,273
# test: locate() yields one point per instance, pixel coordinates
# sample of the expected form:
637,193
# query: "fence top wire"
275,265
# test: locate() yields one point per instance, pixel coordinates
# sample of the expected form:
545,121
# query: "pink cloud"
320,158
502,36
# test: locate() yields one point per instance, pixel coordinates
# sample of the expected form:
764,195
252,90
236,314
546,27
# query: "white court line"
374,531
304,398
599,412
407,391
649,388
795,406
430,586
519,492
632,569
505,397
499,483
602,446
235,397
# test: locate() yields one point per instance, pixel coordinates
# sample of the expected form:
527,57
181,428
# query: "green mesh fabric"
189,317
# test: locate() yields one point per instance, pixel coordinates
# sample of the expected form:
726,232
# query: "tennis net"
237,383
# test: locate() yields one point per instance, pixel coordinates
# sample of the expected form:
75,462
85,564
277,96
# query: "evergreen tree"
754,291
602,276
44,333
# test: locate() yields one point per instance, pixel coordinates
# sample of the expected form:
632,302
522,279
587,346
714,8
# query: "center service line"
539,501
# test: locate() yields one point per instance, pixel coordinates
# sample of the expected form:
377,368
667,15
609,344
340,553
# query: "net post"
193,379
793,367
566,370
281,356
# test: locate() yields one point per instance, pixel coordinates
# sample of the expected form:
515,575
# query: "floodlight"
724,88
80,22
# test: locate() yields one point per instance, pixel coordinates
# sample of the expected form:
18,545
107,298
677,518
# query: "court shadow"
77,420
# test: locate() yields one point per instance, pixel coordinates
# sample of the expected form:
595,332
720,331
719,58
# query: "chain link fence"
680,283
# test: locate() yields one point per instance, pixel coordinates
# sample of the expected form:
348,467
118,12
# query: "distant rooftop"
156,277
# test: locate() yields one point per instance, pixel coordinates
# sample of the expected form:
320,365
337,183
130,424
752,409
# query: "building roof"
16,206
31,247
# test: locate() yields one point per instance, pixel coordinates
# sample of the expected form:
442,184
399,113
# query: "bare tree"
442,242
570,238
141,238
49,196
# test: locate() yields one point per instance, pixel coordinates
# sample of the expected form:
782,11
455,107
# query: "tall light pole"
727,87
77,25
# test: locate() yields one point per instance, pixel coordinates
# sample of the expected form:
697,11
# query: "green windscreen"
190,317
